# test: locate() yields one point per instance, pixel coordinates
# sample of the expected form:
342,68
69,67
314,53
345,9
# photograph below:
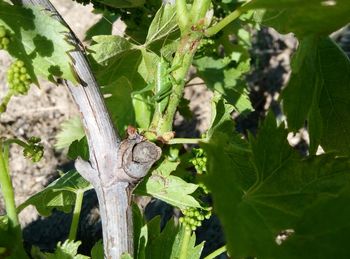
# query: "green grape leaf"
166,243
225,74
334,102
321,74
60,194
139,231
220,113
113,57
103,26
148,65
122,3
193,251
79,148
66,250
97,251
119,103
71,130
44,52
108,48
126,256
328,221
160,243
261,191
169,188
163,24
304,17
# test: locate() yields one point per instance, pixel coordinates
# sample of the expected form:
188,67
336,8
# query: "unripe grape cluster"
199,160
207,47
34,150
4,38
18,77
193,218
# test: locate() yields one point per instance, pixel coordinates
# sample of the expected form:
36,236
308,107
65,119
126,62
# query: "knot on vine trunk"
137,157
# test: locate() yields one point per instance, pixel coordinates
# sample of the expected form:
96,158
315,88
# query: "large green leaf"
321,75
261,192
38,40
169,188
60,194
304,17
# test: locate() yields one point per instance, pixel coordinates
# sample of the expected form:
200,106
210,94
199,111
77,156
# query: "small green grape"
199,160
4,38
18,78
193,217
2,31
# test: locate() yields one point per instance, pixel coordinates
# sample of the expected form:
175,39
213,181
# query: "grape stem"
191,35
185,141
76,215
226,21
184,244
15,234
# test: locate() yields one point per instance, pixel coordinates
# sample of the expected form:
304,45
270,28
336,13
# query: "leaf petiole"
184,244
226,21
76,215
185,141
216,253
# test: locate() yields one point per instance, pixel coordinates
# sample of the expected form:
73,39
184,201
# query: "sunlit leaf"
60,194
44,51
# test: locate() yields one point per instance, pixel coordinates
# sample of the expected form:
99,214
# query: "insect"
161,87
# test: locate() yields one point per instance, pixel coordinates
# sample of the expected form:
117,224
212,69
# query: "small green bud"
5,41
2,31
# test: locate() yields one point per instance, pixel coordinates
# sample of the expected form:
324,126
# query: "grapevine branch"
114,165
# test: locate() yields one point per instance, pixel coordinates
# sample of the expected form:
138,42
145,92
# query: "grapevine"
18,78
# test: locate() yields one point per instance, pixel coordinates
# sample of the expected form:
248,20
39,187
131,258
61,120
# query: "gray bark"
115,165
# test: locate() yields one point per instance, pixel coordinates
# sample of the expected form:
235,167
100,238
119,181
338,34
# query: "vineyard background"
43,110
